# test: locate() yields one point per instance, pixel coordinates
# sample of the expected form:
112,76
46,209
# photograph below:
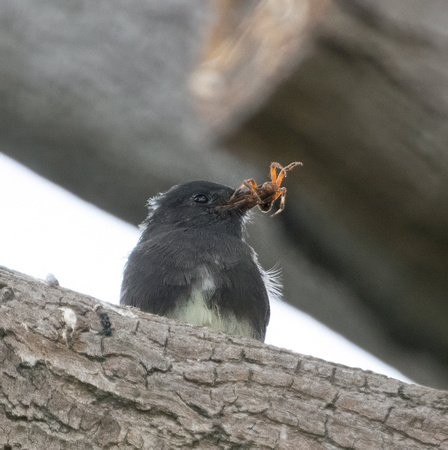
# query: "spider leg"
281,207
281,174
276,195
250,183
283,171
292,165
274,167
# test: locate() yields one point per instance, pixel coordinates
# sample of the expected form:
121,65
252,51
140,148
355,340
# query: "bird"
192,262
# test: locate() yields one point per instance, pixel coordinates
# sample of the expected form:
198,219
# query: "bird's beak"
244,198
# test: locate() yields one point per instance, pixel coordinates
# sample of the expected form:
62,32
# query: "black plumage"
192,263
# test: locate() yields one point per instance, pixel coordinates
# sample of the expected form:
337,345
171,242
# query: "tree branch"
157,383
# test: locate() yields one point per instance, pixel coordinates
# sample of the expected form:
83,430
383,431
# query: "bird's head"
198,205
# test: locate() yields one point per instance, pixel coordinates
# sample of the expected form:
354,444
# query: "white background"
45,229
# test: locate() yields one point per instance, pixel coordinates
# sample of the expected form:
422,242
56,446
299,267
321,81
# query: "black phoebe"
193,264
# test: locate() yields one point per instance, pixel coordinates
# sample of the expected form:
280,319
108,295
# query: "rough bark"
68,379
96,96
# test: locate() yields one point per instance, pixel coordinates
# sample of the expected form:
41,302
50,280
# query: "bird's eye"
201,198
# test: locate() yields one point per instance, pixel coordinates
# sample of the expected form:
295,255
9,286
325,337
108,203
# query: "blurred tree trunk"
72,377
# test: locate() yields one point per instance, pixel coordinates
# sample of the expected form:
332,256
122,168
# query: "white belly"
196,311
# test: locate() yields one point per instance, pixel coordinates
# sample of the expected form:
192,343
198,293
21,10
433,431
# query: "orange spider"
265,195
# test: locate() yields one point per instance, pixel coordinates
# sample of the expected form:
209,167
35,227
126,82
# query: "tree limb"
157,383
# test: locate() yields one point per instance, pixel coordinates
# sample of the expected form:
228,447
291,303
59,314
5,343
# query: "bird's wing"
155,276
242,294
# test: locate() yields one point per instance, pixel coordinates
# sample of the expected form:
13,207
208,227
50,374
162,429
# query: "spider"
265,195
